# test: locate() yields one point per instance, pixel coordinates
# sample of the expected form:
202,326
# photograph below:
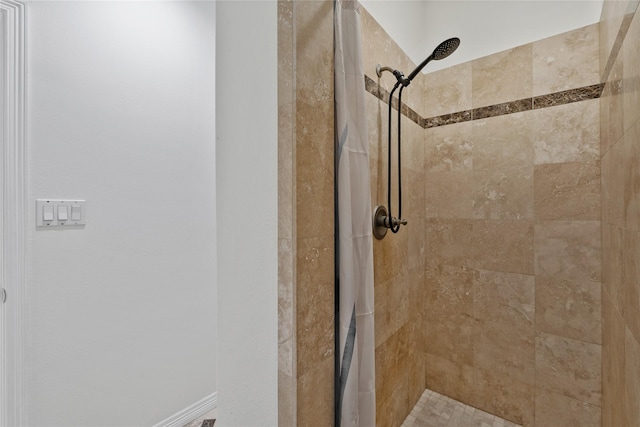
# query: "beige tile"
613,361
503,141
449,194
503,340
451,337
286,310
452,379
610,21
314,201
503,193
613,186
285,172
631,405
313,22
567,133
448,91
569,308
557,410
390,258
611,107
315,398
631,280
501,77
503,245
449,290
286,400
631,69
612,264
314,303
631,177
449,241
449,148
566,61
417,293
506,397
392,410
569,367
568,250
392,364
391,307
567,191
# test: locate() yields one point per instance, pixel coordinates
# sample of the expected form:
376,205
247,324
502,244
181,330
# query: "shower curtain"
355,383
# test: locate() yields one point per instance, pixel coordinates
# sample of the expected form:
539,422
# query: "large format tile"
631,280
568,249
567,133
613,360
567,191
569,367
503,141
631,70
449,148
439,186
503,340
503,245
455,380
506,397
503,193
501,77
447,91
569,308
566,61
557,410
315,399
631,405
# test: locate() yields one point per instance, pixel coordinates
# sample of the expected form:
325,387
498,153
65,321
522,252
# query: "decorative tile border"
526,104
382,94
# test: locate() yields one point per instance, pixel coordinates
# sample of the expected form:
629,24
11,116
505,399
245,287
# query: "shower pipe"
383,218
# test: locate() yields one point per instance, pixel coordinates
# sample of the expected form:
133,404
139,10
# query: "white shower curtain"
356,395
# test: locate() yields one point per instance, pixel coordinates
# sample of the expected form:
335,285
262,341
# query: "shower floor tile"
436,410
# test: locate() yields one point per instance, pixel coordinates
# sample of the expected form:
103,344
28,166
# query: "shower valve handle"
396,222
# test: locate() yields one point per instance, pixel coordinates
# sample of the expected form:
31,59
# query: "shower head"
443,50
446,48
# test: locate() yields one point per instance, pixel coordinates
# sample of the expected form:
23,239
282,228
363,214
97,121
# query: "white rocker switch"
47,213
76,213
63,213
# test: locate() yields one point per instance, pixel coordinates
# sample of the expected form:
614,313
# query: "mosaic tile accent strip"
502,109
447,119
568,96
382,94
436,410
527,104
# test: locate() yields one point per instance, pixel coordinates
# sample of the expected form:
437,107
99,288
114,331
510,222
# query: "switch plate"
52,213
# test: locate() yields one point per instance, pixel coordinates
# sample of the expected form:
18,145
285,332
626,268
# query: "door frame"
14,210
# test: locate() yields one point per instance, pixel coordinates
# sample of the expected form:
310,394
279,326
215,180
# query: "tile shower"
492,295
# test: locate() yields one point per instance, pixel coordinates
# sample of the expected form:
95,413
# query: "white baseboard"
191,412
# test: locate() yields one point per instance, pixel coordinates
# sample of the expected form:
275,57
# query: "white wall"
483,26
247,143
122,314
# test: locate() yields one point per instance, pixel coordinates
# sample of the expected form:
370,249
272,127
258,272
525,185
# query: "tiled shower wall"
399,259
503,285
491,294
305,203
620,147
513,232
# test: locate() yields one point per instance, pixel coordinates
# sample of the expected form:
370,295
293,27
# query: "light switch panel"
52,213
